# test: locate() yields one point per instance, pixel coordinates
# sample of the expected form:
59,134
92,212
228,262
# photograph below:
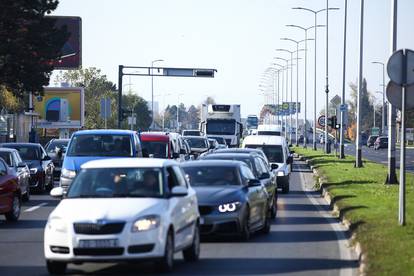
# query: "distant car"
40,164
10,193
246,150
222,142
56,149
260,170
19,168
191,132
371,140
124,209
198,144
213,144
87,145
157,145
381,143
231,200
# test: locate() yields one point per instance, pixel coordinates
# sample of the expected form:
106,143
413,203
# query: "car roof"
104,131
154,137
238,150
269,127
128,163
8,149
264,140
59,140
212,163
197,137
35,145
233,155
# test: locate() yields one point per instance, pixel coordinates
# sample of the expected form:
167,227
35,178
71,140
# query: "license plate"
202,221
104,243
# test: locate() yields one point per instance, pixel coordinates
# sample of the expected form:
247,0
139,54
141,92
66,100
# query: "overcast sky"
236,37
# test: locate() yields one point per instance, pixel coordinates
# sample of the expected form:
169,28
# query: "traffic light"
333,122
124,115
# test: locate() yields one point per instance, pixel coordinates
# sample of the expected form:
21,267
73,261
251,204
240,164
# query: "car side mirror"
178,191
21,165
274,166
265,175
253,182
57,192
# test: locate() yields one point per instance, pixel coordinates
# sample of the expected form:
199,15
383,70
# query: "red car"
157,145
10,194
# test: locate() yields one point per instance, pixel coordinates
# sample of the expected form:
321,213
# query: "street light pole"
152,92
342,129
286,91
383,95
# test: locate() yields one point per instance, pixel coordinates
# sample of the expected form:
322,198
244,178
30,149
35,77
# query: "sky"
236,37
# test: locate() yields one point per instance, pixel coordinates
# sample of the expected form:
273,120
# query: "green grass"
372,208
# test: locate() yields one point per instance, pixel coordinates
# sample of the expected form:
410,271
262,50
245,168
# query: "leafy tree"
8,102
136,104
29,44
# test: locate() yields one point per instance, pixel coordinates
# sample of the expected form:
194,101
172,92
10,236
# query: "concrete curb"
362,256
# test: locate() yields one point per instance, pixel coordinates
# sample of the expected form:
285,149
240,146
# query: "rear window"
26,152
197,142
6,157
271,133
235,157
212,176
274,153
101,145
156,148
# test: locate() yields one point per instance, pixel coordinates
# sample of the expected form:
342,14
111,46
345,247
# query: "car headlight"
228,207
33,170
57,224
68,173
280,173
146,223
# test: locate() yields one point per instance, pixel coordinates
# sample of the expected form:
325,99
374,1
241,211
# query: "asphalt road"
304,240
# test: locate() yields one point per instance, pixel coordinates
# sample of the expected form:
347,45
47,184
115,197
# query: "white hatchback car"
124,209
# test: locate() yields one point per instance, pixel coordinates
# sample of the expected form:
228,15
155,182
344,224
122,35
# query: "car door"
7,187
47,165
23,172
181,209
254,195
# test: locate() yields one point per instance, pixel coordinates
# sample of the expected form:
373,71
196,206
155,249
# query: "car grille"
206,228
205,210
98,251
143,248
99,229
228,142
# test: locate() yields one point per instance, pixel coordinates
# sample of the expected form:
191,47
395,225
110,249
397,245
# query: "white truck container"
222,120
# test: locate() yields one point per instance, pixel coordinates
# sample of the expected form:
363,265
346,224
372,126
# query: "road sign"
105,108
375,131
343,107
394,95
336,100
395,67
321,120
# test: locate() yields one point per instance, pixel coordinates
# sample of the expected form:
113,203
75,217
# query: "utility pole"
358,157
327,78
342,129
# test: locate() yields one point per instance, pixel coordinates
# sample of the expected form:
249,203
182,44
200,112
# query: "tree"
30,42
8,102
136,104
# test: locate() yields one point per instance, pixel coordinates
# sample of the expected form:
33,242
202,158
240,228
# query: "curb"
361,255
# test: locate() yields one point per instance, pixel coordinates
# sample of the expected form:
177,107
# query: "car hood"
92,209
75,162
218,194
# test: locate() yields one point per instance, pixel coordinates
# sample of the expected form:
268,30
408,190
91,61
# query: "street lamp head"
377,62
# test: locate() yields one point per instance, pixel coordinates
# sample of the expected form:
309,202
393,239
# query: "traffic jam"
127,195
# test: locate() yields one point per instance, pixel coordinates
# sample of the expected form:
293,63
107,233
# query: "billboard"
287,108
60,107
72,49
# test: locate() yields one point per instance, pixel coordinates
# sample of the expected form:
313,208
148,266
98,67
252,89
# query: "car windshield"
223,127
100,145
235,157
156,148
191,133
6,157
212,175
197,143
271,133
56,145
117,182
273,153
26,152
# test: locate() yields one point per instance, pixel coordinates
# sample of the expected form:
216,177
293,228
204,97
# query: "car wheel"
14,213
245,233
192,253
51,183
54,267
167,261
26,196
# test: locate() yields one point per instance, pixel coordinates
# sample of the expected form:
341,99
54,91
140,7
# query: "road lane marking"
31,209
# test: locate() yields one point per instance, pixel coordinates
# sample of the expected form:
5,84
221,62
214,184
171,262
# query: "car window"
157,148
274,153
101,145
172,179
53,146
180,176
3,167
18,159
263,165
26,152
246,172
258,166
7,158
212,175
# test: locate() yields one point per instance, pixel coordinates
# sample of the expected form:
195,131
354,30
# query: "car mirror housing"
253,182
274,166
179,191
21,165
57,192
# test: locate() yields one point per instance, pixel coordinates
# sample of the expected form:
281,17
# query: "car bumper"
282,181
65,183
35,180
222,224
130,246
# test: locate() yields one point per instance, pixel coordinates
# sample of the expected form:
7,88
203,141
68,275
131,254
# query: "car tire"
192,253
26,196
56,268
273,209
51,183
167,261
245,232
14,213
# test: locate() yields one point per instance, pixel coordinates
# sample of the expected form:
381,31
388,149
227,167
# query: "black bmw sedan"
231,200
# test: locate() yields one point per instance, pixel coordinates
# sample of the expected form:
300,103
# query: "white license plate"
104,243
202,221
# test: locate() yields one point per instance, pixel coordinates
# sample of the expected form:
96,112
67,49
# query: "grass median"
372,209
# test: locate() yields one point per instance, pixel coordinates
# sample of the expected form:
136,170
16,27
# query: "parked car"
381,143
56,149
231,200
122,210
260,170
87,145
191,132
40,164
371,140
19,169
198,144
278,154
10,193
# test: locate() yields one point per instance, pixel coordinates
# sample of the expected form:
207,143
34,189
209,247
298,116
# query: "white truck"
222,120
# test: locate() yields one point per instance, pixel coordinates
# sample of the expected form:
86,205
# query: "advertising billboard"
60,107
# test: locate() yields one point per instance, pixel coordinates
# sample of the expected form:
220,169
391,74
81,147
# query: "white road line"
343,243
31,209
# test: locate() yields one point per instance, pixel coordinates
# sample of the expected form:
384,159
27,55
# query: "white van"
278,154
274,130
